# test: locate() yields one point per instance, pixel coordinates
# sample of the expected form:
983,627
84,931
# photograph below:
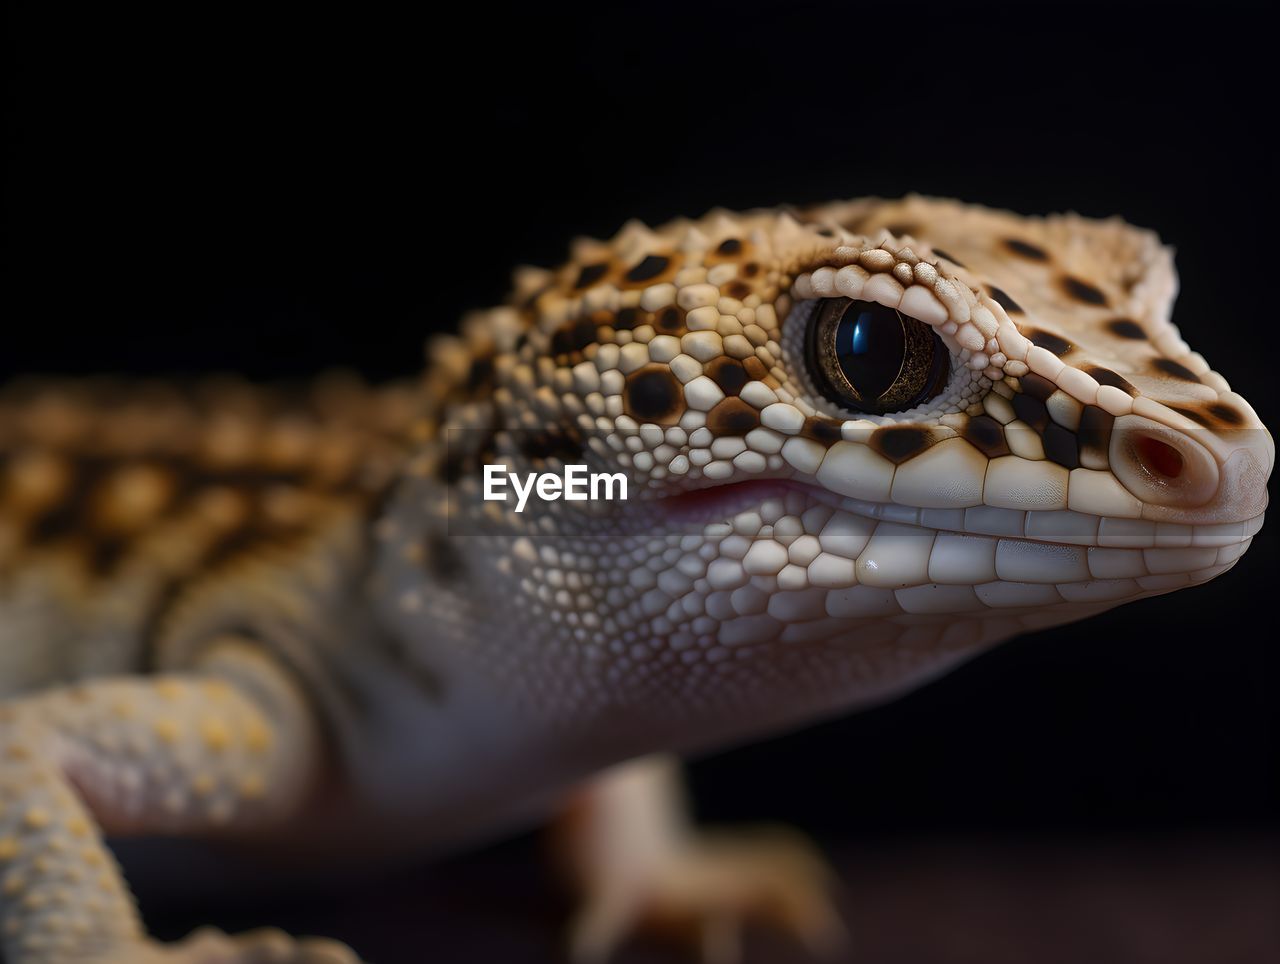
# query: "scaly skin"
459,665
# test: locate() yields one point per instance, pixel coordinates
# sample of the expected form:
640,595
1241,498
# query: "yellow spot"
42,865
124,709
13,885
56,845
253,787
166,730
132,496
33,901
16,751
169,690
36,819
257,736
92,856
8,848
78,827
216,734
202,785
74,875
106,881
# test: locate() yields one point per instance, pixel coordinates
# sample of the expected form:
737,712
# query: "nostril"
1161,465
1159,457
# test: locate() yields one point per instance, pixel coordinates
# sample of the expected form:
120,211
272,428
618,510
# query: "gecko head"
866,439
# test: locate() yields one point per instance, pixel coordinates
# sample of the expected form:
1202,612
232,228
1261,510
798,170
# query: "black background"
223,190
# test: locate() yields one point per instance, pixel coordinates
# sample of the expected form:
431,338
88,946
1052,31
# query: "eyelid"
973,325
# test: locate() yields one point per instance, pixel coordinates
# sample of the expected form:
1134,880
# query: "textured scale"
779,558
123,507
889,545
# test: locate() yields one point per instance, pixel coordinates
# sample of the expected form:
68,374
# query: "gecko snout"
1217,478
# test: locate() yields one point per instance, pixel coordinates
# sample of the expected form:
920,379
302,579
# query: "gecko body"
863,442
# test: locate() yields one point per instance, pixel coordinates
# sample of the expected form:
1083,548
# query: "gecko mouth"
719,503
980,543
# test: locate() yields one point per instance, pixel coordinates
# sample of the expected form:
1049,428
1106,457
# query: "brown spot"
670,320
1226,413
750,269
950,257
1095,429
481,374
738,289
590,274
1198,417
542,445
1171,367
1083,291
902,227
1031,410
824,430
626,319
755,368
1000,297
573,336
648,269
1037,386
652,394
1026,250
826,232
1126,328
898,443
732,416
728,373
1105,376
986,435
729,246
1060,446
1048,341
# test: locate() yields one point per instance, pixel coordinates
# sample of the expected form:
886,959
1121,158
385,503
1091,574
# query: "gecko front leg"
229,747
641,865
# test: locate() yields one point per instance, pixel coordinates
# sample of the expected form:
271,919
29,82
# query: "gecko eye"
874,359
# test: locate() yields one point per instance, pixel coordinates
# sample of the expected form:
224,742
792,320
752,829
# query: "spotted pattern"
779,557
1059,341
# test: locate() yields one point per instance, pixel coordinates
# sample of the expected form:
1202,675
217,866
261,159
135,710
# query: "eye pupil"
870,346
871,358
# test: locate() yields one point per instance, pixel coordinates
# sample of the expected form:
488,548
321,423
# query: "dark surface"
941,900
219,191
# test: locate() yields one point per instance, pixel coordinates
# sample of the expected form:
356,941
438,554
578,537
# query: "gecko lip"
720,503
1054,556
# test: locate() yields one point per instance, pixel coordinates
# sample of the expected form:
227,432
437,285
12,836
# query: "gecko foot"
706,889
211,946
